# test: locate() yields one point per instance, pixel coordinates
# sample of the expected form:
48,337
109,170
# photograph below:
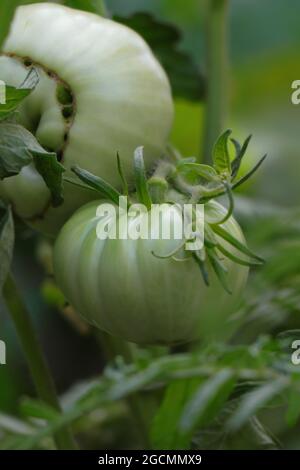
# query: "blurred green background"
264,61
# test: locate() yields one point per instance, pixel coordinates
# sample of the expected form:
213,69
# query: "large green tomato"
101,91
121,287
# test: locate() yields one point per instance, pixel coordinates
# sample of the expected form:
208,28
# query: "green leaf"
165,433
97,183
92,6
14,96
240,151
164,38
248,175
221,157
122,176
7,238
51,171
19,148
208,400
198,169
141,179
219,269
234,242
254,401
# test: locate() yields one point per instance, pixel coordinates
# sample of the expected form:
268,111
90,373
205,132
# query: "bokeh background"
264,61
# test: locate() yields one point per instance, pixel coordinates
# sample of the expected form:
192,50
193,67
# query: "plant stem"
114,347
39,370
217,73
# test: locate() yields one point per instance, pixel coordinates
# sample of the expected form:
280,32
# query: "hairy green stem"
217,73
39,370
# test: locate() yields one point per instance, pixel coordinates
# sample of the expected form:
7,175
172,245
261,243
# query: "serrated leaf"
221,157
7,238
254,401
164,38
207,400
165,433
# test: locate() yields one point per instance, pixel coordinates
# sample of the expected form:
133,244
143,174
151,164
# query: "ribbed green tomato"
101,91
122,288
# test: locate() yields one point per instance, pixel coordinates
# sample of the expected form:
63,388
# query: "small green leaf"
204,171
97,183
241,151
141,183
208,400
165,433
248,175
14,96
15,143
254,401
237,260
7,238
221,158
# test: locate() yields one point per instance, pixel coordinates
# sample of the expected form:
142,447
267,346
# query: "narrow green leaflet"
254,401
186,79
221,157
219,269
240,153
234,242
198,169
207,400
97,183
141,179
14,96
165,433
7,238
19,148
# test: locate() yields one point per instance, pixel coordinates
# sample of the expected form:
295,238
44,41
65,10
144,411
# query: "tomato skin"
122,288
121,100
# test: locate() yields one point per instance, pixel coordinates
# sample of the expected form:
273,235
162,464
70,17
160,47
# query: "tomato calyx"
195,183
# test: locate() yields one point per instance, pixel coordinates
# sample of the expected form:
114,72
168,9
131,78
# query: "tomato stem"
217,71
38,367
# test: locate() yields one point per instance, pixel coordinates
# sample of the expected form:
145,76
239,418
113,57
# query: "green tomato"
121,287
101,91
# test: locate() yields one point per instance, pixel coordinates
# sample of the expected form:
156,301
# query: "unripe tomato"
121,287
101,91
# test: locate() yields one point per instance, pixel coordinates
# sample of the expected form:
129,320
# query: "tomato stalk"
39,370
217,71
